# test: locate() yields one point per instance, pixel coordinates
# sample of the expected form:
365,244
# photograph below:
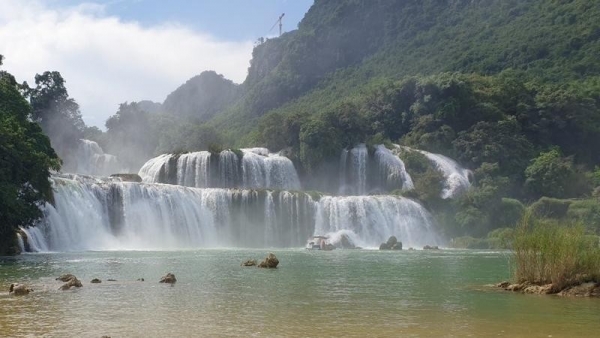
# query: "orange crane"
278,22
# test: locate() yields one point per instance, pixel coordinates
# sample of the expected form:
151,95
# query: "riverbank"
585,289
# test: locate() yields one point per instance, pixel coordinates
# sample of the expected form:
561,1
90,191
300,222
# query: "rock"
19,289
73,282
140,279
111,280
411,249
391,241
430,247
538,289
346,243
503,285
270,262
168,278
397,246
250,262
66,277
589,289
384,246
95,281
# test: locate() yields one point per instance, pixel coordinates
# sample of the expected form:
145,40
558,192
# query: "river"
342,293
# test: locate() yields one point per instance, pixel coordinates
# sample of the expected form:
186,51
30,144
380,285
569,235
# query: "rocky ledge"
588,289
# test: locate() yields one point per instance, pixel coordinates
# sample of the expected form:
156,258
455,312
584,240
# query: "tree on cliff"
26,159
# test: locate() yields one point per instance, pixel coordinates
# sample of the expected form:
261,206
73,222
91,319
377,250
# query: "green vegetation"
548,251
26,159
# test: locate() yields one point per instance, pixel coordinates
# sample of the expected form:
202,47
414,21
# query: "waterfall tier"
92,214
90,159
253,168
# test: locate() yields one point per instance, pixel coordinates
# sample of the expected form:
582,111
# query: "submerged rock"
111,280
140,279
19,289
169,278
95,281
270,262
431,247
250,262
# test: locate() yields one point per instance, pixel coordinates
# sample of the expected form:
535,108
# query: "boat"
319,243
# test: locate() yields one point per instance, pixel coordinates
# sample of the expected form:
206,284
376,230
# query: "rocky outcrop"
588,289
250,262
66,277
169,278
346,243
95,281
73,282
19,289
391,244
270,262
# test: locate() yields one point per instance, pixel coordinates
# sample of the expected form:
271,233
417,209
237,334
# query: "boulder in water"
431,247
169,278
73,282
140,279
19,289
95,281
391,244
346,243
66,277
270,262
250,262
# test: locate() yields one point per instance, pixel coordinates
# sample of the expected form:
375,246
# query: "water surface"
312,294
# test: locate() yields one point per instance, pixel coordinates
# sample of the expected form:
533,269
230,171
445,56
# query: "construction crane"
278,22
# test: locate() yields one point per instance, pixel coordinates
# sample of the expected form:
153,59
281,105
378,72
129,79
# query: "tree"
550,175
56,112
26,158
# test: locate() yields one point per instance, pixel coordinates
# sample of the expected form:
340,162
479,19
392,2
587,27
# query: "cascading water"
370,220
90,159
361,174
256,169
94,214
458,179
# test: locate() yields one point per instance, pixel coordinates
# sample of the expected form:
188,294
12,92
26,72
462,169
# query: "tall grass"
550,251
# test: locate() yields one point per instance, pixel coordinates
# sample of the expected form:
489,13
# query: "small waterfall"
353,164
458,179
257,169
90,159
106,214
373,219
392,170
361,174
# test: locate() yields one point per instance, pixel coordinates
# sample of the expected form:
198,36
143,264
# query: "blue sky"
113,51
236,20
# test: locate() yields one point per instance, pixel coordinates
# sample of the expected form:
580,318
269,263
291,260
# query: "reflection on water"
338,293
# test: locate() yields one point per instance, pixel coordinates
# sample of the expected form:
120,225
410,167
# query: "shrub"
551,207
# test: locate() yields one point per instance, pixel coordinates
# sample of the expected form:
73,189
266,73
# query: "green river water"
357,293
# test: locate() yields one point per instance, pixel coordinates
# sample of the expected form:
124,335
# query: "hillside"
342,45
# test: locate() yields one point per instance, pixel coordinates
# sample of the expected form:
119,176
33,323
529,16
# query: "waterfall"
392,169
90,159
373,219
253,168
106,214
361,174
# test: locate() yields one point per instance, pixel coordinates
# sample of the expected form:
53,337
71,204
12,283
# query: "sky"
113,51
